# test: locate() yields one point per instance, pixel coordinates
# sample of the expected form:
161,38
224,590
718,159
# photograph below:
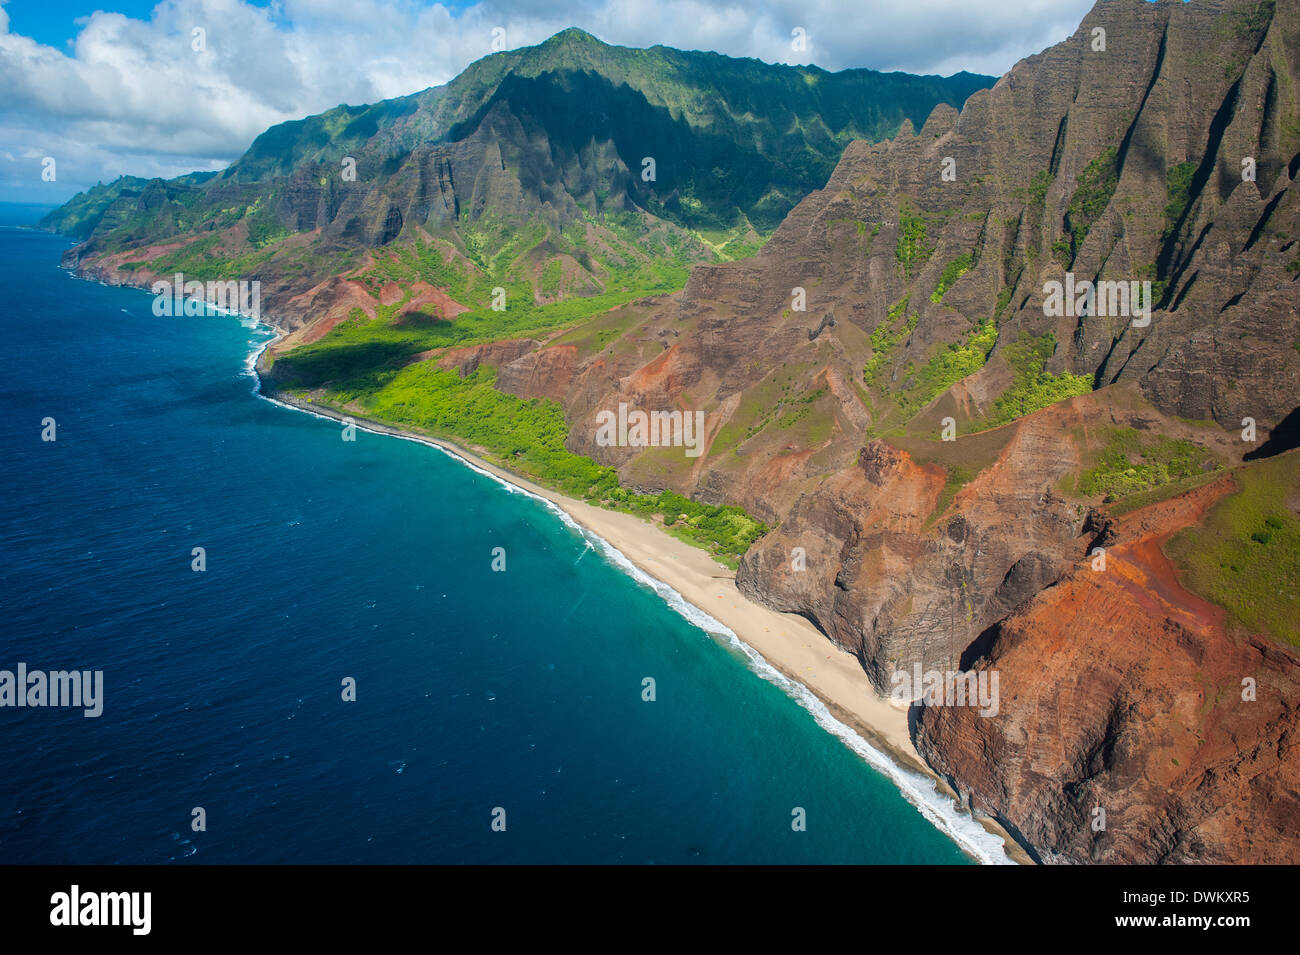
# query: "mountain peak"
572,37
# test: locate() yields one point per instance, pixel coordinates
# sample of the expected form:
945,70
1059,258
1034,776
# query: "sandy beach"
788,642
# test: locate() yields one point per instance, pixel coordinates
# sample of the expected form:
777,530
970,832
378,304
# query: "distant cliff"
565,169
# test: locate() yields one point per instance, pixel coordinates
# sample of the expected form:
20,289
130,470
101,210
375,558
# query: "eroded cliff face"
1132,727
876,561
789,415
1123,164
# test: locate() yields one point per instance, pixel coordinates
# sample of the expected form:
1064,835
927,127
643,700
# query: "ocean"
480,696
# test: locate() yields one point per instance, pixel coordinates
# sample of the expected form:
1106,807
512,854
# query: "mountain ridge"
684,94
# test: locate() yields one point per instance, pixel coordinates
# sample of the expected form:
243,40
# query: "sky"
160,89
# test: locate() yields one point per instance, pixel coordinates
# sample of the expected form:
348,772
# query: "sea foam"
938,809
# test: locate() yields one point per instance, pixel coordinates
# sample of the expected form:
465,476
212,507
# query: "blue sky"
53,22
116,86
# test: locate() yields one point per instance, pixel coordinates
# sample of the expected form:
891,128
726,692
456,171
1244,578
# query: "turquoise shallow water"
370,560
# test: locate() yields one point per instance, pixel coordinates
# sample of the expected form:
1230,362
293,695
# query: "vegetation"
1245,555
775,398
365,363
885,337
527,436
1003,300
361,354
263,227
1158,286
958,477
1035,209
1248,22
1130,465
1096,187
470,409
951,273
738,142
725,531
1032,387
950,366
799,408
1178,185
913,248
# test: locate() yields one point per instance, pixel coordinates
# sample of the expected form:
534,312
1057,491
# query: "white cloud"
134,96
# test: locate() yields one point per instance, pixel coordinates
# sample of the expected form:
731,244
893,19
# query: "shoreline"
801,659
794,650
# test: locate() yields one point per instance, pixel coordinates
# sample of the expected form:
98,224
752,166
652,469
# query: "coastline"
784,648
788,645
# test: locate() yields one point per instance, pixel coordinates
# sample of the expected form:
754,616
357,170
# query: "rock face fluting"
1025,207
1117,165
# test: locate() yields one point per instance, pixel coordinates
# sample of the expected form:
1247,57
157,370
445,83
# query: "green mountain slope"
698,154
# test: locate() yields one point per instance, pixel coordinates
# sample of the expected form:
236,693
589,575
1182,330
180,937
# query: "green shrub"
1178,184
1128,465
884,338
950,366
1032,388
913,248
951,273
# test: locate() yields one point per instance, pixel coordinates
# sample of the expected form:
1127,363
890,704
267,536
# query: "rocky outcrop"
467,360
540,374
1131,726
893,577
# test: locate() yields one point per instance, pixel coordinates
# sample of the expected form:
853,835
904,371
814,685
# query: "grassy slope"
527,436
1133,470
1245,556
365,363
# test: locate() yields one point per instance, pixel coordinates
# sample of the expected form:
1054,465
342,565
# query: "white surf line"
919,790
939,810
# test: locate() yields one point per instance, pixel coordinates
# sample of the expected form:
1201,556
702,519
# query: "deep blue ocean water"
371,560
